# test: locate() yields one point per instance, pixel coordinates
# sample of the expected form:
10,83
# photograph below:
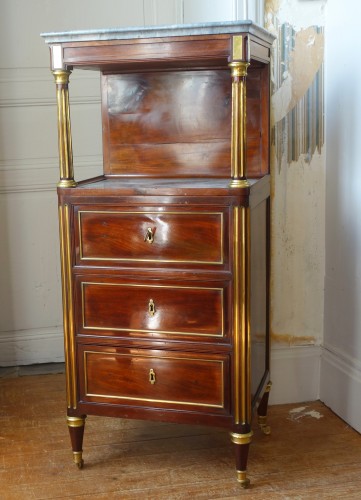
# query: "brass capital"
238,68
61,76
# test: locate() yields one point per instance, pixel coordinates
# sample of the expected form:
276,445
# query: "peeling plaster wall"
298,164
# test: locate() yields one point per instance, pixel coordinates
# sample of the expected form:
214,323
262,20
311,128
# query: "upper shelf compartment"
177,101
178,46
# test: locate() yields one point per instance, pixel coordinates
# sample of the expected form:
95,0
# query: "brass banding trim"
241,438
166,261
154,400
75,421
171,332
262,419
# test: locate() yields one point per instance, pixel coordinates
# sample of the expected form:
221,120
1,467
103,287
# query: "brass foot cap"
243,479
262,422
266,429
78,459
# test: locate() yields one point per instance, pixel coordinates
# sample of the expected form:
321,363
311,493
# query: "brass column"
241,320
239,136
61,77
68,311
242,435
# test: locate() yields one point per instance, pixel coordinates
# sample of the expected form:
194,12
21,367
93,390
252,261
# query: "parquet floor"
311,453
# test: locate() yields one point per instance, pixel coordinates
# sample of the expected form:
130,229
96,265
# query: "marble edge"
136,32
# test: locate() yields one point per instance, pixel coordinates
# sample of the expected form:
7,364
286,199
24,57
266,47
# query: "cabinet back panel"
175,123
178,124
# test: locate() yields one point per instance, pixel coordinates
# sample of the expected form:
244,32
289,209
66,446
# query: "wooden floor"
311,454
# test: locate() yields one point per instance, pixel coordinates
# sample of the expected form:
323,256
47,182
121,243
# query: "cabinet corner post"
239,124
68,311
61,77
241,437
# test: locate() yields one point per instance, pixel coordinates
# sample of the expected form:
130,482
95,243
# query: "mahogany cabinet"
165,257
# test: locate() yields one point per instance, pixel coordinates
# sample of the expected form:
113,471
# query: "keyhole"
151,308
152,376
149,236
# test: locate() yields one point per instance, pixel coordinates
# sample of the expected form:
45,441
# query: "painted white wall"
341,360
199,11
30,293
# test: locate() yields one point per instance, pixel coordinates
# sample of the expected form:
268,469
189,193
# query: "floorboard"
310,454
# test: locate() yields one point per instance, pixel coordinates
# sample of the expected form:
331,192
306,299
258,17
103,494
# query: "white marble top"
159,31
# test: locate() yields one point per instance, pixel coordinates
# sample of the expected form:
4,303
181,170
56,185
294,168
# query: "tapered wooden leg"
262,411
76,431
241,445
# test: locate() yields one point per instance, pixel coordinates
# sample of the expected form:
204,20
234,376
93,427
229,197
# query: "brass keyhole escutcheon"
151,308
152,376
149,235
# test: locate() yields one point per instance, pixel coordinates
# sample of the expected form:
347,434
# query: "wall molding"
42,174
340,386
24,87
301,364
33,346
33,101
248,9
157,12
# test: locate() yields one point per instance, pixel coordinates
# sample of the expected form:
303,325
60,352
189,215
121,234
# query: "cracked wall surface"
298,166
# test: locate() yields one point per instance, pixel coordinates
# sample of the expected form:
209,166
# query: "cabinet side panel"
259,295
257,122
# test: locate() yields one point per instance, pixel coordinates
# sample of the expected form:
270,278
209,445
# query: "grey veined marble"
158,32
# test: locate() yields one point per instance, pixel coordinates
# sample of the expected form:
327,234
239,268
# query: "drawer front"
161,379
110,237
111,307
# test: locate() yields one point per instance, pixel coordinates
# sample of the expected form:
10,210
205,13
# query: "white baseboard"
340,387
27,347
295,374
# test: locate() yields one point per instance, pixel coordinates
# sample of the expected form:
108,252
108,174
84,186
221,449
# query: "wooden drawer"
115,236
110,306
161,379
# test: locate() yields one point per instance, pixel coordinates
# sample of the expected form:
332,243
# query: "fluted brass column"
61,77
242,435
241,317
68,312
239,136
